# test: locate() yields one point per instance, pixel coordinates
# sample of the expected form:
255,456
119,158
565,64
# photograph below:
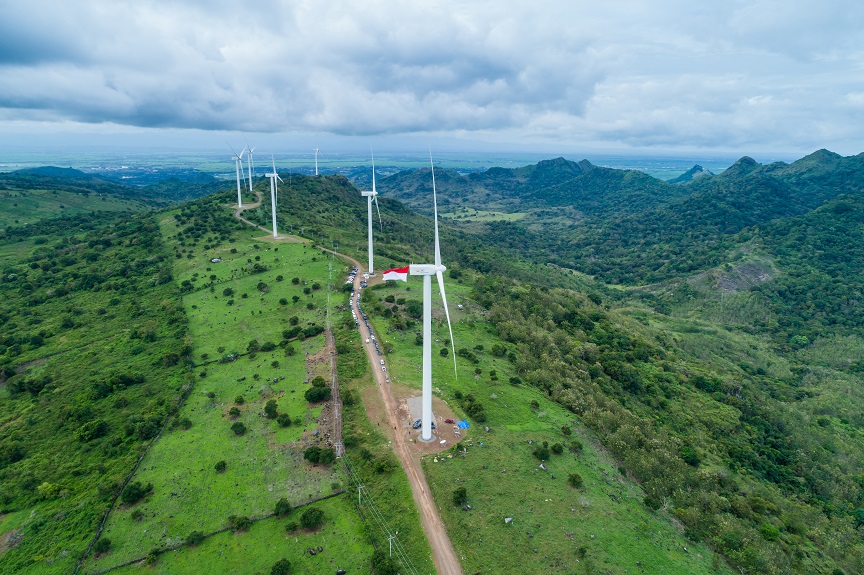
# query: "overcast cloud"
664,74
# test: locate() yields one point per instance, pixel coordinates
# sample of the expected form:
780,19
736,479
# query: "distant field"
475,215
20,207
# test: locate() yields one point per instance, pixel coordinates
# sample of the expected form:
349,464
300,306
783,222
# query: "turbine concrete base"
430,440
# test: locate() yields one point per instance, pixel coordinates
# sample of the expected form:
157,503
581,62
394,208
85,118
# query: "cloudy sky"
742,76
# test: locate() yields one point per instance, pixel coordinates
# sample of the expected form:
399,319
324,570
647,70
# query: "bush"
238,428
283,508
317,394
557,448
319,381
271,409
135,492
460,496
239,400
382,564
284,420
566,430
281,567
312,518
574,480
234,412
239,523
194,538
291,526
220,466
102,546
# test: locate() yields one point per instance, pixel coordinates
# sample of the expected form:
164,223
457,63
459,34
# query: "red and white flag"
396,274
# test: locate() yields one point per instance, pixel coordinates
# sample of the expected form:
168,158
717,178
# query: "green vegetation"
706,418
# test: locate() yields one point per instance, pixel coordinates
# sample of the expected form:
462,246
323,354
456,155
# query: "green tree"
271,409
220,466
574,480
238,428
312,518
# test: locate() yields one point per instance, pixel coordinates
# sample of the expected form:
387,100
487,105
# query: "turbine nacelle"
425,269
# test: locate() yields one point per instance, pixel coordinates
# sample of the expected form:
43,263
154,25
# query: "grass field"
602,527
266,462
465,213
256,550
19,207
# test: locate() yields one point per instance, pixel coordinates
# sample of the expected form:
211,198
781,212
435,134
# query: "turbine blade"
380,224
233,151
435,205
440,277
373,177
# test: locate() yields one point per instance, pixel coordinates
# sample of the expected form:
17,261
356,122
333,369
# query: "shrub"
281,567
541,452
283,508
460,496
228,292
220,466
238,428
194,538
239,523
271,409
292,526
102,546
557,448
319,381
574,480
312,518
284,420
382,564
234,412
566,430
135,492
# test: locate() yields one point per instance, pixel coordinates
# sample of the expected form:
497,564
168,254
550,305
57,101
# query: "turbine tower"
373,195
273,177
251,165
427,271
238,165
316,160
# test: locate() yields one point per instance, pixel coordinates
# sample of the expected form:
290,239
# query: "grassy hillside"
92,340
715,409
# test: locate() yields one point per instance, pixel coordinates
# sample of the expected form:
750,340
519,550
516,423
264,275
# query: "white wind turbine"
273,177
238,166
316,160
427,271
251,165
373,195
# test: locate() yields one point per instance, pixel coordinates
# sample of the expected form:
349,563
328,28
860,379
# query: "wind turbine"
427,271
273,177
251,165
238,165
373,195
316,160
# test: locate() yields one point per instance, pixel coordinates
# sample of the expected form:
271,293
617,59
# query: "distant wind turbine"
250,164
427,271
238,165
273,186
373,195
316,160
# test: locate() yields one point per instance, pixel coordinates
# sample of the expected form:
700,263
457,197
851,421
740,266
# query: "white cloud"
741,73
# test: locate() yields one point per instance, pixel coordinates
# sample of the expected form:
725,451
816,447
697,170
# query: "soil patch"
10,539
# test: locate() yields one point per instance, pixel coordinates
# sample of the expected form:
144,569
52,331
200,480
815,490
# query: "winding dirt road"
443,553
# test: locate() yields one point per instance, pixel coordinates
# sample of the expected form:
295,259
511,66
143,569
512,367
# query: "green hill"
714,406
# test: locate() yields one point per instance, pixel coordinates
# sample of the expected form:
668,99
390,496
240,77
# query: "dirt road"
443,553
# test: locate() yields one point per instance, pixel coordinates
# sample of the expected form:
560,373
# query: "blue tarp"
463,424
